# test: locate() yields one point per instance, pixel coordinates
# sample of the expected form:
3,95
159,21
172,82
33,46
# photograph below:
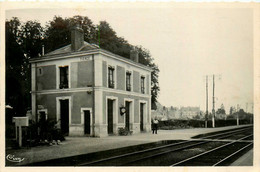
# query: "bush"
123,132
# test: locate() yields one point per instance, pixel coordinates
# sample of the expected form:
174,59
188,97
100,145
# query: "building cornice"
66,90
63,56
87,89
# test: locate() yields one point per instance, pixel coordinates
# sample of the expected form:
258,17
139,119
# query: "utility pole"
206,117
213,98
237,114
213,101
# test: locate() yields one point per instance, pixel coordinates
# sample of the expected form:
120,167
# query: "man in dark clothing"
155,125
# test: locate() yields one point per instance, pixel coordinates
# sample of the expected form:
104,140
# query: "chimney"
134,55
77,37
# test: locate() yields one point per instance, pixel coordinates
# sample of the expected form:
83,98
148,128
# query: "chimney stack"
77,37
134,55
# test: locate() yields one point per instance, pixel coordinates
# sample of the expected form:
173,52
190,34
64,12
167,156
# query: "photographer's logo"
12,158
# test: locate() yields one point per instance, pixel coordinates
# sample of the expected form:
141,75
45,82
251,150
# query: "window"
142,84
111,83
64,82
128,81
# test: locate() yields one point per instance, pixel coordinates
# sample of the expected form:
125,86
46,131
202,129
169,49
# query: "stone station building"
90,91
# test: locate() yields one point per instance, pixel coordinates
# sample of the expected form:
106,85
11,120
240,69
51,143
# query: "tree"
31,39
108,40
57,32
14,67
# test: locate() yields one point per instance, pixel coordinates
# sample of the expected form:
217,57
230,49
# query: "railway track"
208,150
216,156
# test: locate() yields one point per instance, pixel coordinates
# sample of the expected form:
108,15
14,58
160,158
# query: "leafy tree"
14,60
23,41
57,34
31,39
108,40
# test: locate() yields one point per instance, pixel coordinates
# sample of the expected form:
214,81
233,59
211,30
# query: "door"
141,117
127,115
110,116
87,122
64,116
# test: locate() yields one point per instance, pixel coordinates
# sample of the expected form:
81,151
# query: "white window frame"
140,78
115,76
131,80
58,75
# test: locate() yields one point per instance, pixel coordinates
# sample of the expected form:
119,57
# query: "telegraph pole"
213,98
213,101
206,117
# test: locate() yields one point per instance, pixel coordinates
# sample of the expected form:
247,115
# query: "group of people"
155,125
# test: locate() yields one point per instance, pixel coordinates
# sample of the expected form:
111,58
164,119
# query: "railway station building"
90,91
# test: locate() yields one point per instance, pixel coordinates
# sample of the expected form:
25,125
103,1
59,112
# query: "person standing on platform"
155,125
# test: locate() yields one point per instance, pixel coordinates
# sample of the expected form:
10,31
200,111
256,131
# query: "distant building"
176,113
87,89
189,112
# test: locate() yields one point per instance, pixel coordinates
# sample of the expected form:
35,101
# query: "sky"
187,44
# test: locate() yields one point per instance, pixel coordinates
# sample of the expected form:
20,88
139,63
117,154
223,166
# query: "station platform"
83,145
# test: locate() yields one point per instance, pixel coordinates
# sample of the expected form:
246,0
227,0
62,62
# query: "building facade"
90,91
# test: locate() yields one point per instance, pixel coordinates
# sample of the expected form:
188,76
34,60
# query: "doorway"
64,116
86,122
127,115
141,116
109,116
